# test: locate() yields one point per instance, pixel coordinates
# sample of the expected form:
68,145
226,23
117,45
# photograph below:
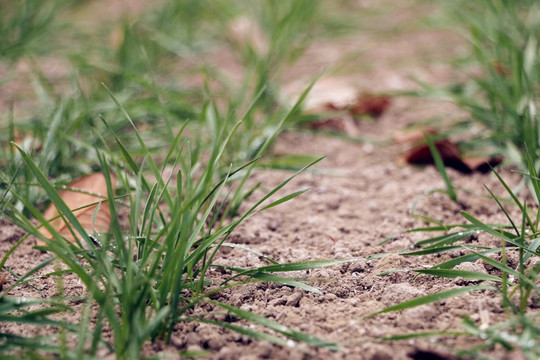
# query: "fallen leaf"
421,154
79,196
369,104
341,117
330,124
333,107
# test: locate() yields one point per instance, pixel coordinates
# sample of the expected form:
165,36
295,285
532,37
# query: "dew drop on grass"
411,342
290,343
483,336
477,232
460,233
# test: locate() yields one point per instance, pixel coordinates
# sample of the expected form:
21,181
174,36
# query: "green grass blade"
464,258
452,274
447,239
294,266
485,227
277,188
303,265
142,144
532,171
439,163
285,281
23,279
292,112
500,234
504,210
432,251
533,247
511,193
509,270
424,334
431,299
284,199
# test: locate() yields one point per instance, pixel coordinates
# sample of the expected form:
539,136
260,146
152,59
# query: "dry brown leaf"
451,157
421,154
89,190
330,124
370,104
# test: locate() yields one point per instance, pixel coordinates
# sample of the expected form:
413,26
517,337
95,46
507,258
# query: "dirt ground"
360,195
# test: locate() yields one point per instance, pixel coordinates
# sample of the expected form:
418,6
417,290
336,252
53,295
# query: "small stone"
273,224
294,298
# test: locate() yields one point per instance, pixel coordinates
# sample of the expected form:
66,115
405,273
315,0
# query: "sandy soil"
360,195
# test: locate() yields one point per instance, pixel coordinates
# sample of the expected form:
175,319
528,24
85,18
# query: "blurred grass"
29,28
502,96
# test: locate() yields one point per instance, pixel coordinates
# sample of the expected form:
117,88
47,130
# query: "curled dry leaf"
370,104
331,124
342,117
450,154
82,197
421,154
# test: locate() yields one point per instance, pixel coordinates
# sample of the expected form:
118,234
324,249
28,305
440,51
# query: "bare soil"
360,195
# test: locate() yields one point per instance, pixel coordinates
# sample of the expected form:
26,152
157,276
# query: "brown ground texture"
360,195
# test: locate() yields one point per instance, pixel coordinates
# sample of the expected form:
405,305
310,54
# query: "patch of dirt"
359,197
